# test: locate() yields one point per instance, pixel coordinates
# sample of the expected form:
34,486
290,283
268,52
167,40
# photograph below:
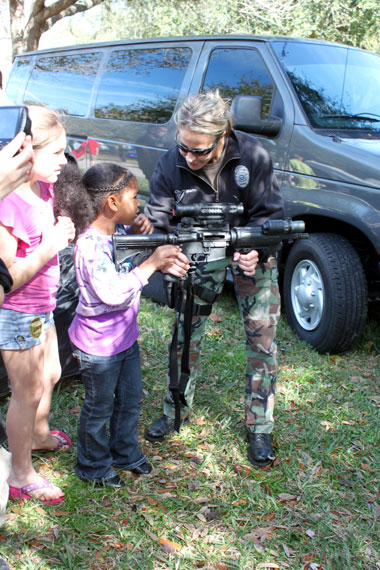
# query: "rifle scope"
208,209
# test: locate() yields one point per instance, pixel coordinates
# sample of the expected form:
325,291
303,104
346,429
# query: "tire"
325,292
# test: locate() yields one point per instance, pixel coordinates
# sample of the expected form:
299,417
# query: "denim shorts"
19,331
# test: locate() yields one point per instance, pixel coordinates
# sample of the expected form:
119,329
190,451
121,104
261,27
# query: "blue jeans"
113,391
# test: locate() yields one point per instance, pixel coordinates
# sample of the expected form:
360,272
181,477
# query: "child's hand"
61,235
66,229
178,267
168,258
142,225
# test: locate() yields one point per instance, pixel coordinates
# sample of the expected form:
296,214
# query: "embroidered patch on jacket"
241,175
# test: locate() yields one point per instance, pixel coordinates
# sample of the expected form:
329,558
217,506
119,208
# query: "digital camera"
13,119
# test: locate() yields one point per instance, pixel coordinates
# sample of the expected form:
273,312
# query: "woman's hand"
142,225
247,261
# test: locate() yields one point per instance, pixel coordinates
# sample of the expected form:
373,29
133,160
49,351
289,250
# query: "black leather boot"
160,428
260,451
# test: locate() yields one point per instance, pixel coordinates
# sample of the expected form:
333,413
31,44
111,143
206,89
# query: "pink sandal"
62,440
24,492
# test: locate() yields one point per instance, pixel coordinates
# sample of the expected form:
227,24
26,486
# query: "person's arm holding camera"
16,163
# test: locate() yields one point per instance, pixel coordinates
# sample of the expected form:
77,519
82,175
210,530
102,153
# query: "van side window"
142,85
239,71
64,82
19,76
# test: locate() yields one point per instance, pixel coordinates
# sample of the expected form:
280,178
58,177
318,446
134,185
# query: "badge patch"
241,175
36,327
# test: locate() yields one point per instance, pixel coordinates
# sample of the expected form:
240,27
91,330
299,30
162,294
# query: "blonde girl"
30,239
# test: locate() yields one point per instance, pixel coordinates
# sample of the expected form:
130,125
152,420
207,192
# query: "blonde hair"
46,125
205,113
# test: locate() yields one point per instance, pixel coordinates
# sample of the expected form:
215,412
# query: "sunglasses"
197,151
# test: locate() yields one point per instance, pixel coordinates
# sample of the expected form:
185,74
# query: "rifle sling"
173,365
205,294
184,305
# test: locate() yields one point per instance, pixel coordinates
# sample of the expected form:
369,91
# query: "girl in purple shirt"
104,331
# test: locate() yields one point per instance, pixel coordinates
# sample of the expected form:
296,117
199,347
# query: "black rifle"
203,234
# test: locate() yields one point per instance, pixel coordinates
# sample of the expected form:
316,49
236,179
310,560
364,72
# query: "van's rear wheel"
325,292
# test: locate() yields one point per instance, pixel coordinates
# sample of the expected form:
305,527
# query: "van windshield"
338,87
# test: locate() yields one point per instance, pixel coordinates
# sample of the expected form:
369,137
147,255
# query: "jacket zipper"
216,190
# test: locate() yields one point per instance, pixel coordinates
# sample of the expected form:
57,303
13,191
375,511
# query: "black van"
314,105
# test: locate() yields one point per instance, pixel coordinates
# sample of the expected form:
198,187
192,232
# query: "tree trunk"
25,35
17,24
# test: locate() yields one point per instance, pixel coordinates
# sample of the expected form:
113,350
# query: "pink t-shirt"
28,220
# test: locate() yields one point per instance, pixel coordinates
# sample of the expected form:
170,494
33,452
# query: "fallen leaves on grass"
258,535
169,546
284,497
197,459
244,470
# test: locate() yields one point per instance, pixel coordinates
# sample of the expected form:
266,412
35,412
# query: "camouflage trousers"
259,303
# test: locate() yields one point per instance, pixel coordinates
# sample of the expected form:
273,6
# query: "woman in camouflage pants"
214,163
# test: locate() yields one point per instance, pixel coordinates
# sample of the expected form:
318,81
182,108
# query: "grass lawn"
204,506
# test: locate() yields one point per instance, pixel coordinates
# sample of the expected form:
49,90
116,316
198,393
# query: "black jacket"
3,435
246,176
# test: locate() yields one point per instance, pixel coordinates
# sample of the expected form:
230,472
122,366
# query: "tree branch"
70,11
40,12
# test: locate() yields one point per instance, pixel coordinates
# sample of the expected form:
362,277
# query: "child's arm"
52,242
104,288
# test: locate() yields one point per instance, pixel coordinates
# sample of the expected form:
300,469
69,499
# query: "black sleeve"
159,207
3,435
5,278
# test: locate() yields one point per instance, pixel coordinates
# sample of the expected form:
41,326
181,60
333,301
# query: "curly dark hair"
82,197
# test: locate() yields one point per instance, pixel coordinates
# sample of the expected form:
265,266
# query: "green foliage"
354,22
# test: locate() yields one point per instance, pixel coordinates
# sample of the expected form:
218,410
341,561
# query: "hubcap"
307,294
